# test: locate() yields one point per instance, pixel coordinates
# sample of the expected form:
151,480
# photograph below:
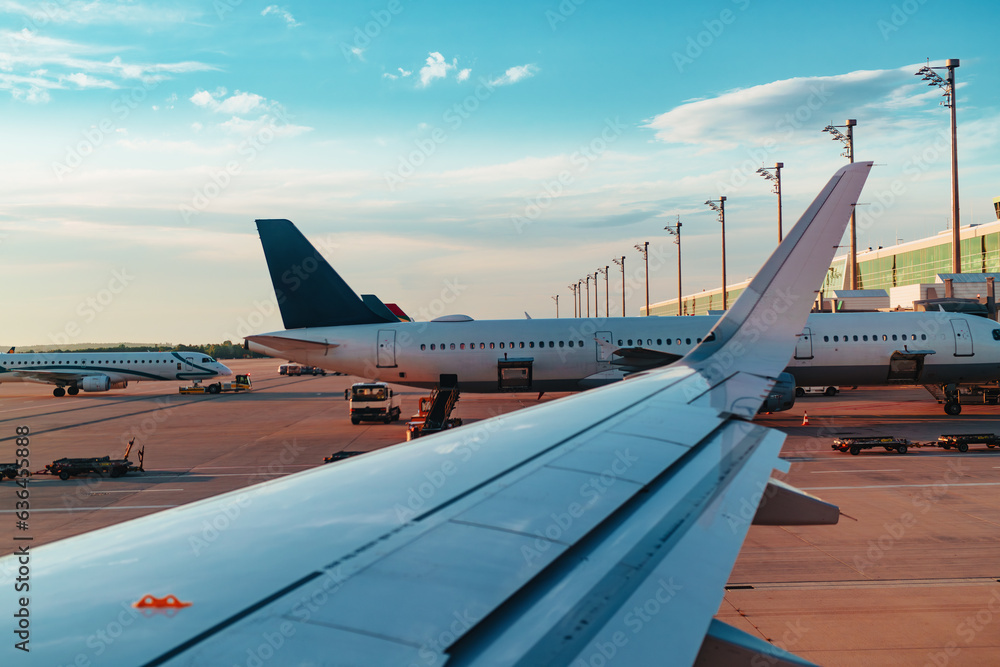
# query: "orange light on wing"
168,602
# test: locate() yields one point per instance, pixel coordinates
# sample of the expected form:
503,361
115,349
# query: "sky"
454,157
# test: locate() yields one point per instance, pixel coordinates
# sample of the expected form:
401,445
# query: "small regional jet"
602,524
73,372
328,325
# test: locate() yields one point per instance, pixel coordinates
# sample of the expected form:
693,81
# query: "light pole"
675,231
621,263
848,141
719,205
596,295
776,177
588,295
607,291
572,288
948,85
644,251
556,298
579,297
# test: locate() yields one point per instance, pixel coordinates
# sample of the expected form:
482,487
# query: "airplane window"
996,334
442,346
571,343
423,346
894,336
688,341
826,339
501,346
531,343
855,338
482,346
560,343
865,337
433,346
452,346
461,346
914,337
580,343
670,342
659,341
206,360
620,341
551,344
511,345
698,340
678,341
649,341
492,345
629,341
884,337
521,344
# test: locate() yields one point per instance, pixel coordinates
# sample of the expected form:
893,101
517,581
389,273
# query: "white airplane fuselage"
568,355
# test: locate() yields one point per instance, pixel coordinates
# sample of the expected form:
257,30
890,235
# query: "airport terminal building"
907,264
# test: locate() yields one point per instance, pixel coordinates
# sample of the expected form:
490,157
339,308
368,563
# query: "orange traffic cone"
805,419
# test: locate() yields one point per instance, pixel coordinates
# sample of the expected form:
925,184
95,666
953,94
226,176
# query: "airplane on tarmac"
553,535
328,325
73,372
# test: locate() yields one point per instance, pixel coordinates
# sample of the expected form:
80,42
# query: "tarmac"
909,576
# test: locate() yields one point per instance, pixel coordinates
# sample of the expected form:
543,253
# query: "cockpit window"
996,334
206,360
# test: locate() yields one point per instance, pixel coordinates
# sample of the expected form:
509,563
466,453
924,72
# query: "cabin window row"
874,337
93,361
659,341
503,346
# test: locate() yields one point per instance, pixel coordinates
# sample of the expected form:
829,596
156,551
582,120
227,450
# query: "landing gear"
953,408
73,390
951,404
58,392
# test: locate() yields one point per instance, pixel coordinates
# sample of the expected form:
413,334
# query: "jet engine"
782,396
101,383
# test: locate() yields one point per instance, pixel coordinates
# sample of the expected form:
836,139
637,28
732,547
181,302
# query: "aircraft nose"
224,370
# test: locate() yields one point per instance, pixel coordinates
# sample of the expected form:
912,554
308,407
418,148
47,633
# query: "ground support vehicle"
9,470
340,456
962,441
434,413
239,383
298,369
103,465
371,401
825,390
854,445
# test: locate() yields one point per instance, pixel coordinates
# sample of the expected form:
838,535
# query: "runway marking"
297,465
817,472
869,583
895,486
94,509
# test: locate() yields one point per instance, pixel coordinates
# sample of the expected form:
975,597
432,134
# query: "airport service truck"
371,402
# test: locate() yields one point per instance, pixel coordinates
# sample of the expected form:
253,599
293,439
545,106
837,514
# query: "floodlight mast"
719,205
675,231
776,177
643,249
621,263
572,288
848,141
948,85
556,299
607,290
588,295
596,294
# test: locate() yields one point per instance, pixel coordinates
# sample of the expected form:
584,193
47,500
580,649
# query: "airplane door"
386,348
804,346
963,338
604,345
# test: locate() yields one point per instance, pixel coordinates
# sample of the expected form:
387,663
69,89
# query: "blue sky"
451,156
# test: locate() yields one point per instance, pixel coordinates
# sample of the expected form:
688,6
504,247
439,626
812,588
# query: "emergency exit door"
386,348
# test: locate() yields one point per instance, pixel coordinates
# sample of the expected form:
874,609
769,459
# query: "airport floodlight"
675,231
719,206
572,288
588,294
621,263
643,249
607,290
948,86
556,299
766,172
848,141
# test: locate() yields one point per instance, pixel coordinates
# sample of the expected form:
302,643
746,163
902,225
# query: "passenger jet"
329,326
73,372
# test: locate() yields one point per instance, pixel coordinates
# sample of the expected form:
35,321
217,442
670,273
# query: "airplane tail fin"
310,293
780,296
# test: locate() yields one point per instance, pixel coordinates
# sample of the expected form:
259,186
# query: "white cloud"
464,74
241,103
436,68
515,74
31,95
282,13
86,81
86,12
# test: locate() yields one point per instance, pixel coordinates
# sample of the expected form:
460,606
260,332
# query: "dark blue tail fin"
309,291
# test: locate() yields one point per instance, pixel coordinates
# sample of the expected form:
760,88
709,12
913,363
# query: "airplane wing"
289,344
599,526
51,377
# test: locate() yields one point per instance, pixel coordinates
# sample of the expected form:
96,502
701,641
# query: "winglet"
310,293
778,300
